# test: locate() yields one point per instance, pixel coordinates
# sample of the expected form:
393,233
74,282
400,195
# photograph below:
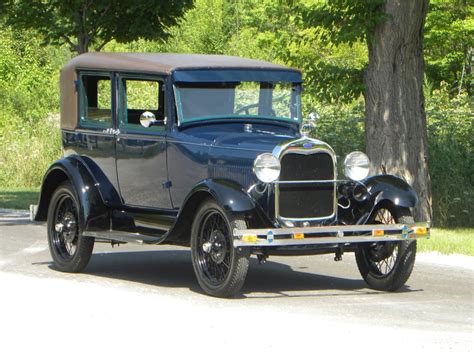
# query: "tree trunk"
396,134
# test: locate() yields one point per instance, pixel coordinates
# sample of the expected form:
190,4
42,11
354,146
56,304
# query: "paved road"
146,299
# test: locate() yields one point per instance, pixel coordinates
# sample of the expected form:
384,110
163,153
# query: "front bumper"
343,234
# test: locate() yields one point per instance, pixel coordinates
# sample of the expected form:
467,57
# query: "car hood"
250,141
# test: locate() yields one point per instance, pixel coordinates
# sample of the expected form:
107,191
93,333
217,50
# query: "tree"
86,24
395,124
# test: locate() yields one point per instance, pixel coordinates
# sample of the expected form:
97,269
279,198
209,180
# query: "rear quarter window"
95,100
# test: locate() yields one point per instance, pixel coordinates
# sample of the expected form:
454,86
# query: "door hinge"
166,184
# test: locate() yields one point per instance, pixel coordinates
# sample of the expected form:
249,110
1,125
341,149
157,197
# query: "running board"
125,237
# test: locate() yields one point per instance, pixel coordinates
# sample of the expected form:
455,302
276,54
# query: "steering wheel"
246,108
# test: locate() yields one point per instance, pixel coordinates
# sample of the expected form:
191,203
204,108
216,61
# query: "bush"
29,140
451,160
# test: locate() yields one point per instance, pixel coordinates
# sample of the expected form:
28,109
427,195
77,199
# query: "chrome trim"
254,170
308,181
363,234
297,147
125,237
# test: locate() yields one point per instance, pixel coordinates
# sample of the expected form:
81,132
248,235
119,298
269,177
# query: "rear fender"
94,192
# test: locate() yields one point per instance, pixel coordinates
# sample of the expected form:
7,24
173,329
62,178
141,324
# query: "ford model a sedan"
207,152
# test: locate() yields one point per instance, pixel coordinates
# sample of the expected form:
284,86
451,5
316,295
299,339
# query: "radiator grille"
306,201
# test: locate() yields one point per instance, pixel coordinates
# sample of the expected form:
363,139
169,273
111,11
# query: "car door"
141,151
94,138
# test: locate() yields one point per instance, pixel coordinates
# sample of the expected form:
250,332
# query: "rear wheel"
69,249
387,266
219,267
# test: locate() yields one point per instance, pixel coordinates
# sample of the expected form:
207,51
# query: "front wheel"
386,266
219,267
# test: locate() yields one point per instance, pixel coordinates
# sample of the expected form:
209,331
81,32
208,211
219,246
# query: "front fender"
228,194
94,194
382,190
391,188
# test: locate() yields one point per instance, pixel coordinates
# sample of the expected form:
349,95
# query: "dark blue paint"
141,169
94,145
219,151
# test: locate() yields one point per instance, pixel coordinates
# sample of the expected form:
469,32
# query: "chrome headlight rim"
266,168
356,165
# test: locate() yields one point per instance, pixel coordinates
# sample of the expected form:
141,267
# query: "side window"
138,96
95,101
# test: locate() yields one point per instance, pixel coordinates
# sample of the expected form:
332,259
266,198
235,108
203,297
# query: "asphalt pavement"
142,299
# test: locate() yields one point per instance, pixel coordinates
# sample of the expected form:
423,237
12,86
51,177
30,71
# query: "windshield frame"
238,118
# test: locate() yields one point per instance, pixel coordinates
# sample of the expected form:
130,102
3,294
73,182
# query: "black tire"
387,266
219,267
70,251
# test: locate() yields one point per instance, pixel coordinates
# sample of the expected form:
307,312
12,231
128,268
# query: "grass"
444,241
449,241
18,199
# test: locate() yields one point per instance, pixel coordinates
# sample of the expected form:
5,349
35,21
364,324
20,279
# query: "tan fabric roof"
142,62
163,62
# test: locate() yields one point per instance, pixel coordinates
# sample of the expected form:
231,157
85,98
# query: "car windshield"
205,101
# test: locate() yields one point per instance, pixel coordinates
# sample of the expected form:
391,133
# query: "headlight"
356,166
267,167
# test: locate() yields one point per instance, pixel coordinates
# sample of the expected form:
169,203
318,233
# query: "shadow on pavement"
173,268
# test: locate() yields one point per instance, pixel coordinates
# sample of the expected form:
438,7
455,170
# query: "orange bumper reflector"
420,230
249,238
298,236
378,233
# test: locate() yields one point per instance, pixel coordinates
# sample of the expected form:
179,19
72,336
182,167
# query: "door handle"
111,131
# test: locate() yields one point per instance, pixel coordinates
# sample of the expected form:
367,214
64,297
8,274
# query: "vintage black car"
211,152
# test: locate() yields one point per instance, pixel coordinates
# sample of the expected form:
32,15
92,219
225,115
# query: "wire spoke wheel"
214,247
219,267
65,228
70,251
387,265
383,256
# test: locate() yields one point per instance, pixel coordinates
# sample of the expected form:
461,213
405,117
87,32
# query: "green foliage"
343,21
451,157
204,29
29,139
93,23
449,43
274,31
